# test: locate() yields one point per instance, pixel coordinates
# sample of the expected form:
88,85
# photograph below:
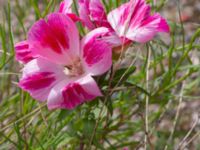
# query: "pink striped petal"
39,76
70,93
98,13
96,53
66,6
84,14
113,39
149,28
22,52
92,14
133,21
56,40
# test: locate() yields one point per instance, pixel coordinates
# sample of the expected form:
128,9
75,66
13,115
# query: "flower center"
75,69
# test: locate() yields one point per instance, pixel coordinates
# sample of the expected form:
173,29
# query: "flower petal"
148,29
66,9
133,21
74,17
39,76
96,53
22,52
84,14
66,6
56,40
112,39
92,14
70,93
98,13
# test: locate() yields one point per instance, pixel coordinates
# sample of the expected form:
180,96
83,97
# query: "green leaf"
63,113
122,75
88,127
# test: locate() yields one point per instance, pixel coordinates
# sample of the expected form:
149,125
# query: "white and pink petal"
70,93
39,76
98,14
116,16
96,53
92,14
148,29
84,13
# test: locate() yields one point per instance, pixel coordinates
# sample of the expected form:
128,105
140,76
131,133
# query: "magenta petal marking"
61,9
98,13
56,39
92,14
74,17
124,16
58,28
65,7
51,34
22,46
37,81
93,52
41,33
23,52
74,95
94,48
163,26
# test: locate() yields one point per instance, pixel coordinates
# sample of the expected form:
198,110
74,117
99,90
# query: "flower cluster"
59,65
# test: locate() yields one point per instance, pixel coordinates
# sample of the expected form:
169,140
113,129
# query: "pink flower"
62,72
131,21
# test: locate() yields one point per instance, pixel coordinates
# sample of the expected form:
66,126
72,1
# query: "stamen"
75,69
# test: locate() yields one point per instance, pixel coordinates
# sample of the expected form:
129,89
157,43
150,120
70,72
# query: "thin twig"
9,73
176,117
147,100
193,138
188,134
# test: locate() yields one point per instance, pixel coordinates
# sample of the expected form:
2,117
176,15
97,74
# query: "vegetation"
150,101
